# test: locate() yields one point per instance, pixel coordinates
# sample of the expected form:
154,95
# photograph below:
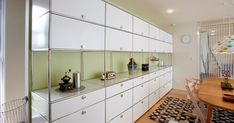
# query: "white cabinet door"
162,35
89,10
140,43
93,114
155,45
118,104
140,108
140,92
125,117
118,19
118,40
153,32
140,27
72,34
153,98
68,106
153,85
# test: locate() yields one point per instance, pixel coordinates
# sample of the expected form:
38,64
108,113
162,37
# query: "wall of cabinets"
97,26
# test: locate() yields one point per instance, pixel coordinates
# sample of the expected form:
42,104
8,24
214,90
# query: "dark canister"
145,67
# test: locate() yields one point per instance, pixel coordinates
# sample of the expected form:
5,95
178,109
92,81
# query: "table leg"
209,113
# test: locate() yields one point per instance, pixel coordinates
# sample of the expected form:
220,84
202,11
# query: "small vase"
132,68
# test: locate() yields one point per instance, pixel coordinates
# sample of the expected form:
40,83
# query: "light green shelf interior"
89,64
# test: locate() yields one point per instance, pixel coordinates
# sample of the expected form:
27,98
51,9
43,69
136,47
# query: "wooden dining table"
211,93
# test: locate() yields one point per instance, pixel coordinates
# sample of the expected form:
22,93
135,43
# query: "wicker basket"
14,111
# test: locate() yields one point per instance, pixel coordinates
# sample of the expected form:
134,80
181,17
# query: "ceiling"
186,11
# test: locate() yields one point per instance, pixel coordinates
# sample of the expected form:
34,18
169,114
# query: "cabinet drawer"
125,117
140,80
140,108
125,23
74,104
140,92
117,104
93,114
153,85
153,98
118,88
68,33
88,10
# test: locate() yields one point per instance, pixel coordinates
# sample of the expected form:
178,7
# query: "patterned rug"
174,109
181,110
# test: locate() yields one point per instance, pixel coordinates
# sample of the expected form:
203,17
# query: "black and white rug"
181,110
174,109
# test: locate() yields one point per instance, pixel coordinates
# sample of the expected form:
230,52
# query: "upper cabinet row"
80,24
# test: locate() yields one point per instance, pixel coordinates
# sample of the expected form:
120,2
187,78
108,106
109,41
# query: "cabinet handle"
83,112
121,48
121,116
83,97
142,33
121,85
142,86
82,46
121,27
142,77
142,102
142,49
83,16
121,95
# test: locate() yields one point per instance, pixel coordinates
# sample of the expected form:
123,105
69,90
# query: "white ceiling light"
170,11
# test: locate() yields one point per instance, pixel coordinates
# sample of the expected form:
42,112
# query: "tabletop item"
228,97
108,75
76,80
226,86
145,67
132,66
66,85
226,75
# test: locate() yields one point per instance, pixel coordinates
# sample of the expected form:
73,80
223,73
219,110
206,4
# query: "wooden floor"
175,93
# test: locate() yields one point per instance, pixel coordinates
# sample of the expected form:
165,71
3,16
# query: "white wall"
186,56
14,50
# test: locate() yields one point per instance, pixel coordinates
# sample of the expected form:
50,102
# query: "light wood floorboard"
175,93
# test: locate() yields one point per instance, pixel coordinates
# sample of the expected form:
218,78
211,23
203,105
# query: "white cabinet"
153,98
125,117
140,108
118,40
118,19
118,88
140,27
88,10
93,114
68,106
118,104
162,35
140,80
153,85
153,32
68,33
140,92
154,45
140,43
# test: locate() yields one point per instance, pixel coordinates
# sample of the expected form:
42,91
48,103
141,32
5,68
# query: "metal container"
76,80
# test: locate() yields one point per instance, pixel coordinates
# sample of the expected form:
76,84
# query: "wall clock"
186,39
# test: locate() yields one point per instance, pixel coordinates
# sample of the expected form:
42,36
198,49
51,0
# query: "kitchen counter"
90,86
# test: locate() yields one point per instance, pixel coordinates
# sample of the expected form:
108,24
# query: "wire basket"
14,111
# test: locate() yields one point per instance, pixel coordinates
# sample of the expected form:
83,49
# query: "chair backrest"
191,87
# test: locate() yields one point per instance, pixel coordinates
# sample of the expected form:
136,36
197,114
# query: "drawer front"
140,80
125,117
153,98
93,114
140,92
118,88
140,108
118,104
71,105
153,85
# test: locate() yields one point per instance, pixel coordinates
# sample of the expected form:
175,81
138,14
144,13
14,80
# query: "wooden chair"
192,87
